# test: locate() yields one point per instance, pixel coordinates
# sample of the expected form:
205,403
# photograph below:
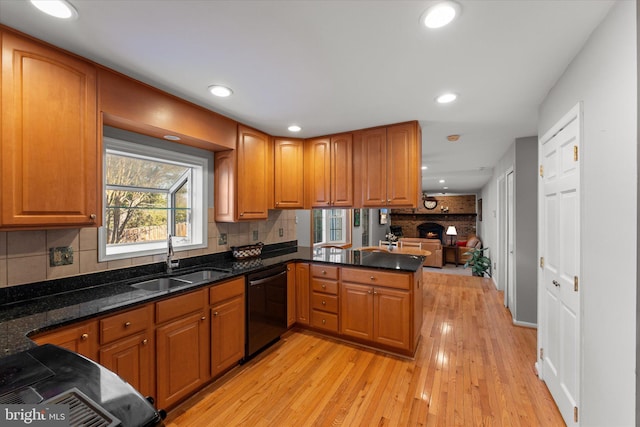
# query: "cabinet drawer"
226,290
326,286
324,320
324,302
377,277
324,271
179,306
125,324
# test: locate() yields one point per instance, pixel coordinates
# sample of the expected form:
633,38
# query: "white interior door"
559,237
510,246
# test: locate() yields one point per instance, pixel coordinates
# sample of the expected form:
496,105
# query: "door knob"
555,282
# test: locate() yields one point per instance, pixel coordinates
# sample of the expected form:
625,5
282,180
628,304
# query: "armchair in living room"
472,241
432,245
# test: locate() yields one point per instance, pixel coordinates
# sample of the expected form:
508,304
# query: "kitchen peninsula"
376,300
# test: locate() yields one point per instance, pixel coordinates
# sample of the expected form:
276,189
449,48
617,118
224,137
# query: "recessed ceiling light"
440,14
446,98
221,91
171,137
294,128
441,181
424,168
56,8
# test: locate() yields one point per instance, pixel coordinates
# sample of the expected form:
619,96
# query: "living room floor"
449,269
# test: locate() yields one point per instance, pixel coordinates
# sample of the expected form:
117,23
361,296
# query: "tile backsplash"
24,255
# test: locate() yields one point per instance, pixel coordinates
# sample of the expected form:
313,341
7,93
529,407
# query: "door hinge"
575,283
541,353
575,153
541,262
541,171
575,414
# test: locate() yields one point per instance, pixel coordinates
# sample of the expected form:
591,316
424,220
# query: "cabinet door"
403,170
318,172
356,310
342,170
130,358
252,174
291,295
81,338
48,144
224,181
227,334
288,177
302,293
182,348
374,167
392,317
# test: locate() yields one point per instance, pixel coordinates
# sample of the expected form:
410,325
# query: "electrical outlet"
60,256
281,232
255,235
222,239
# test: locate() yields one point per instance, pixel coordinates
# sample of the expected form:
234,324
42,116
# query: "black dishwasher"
266,309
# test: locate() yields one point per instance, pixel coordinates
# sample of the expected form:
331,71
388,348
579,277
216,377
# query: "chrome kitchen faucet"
171,263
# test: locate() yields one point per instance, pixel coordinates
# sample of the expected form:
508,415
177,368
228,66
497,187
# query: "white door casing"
511,277
559,298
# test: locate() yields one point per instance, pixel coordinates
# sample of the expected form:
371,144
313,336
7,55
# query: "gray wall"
303,227
526,230
604,77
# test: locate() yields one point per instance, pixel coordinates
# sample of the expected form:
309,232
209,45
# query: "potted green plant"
479,263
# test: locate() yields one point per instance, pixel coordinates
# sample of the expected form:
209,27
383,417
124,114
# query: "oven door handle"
266,279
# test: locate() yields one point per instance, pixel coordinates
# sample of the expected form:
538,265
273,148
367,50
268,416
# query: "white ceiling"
334,66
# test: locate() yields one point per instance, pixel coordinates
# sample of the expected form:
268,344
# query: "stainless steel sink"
203,276
194,278
162,284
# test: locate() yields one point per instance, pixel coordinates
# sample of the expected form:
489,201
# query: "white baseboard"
525,324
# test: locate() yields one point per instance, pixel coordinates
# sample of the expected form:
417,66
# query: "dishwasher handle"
255,282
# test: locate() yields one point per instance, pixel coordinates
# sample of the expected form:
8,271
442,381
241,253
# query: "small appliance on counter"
96,396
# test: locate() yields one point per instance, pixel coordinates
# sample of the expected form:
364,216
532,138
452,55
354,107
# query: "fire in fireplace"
426,228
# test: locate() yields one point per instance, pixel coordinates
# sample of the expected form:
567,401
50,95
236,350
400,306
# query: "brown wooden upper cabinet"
289,173
243,178
390,161
329,171
48,144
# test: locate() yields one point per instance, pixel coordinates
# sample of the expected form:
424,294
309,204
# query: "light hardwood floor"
472,368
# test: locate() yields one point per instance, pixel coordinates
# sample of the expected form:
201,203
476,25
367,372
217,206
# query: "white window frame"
346,227
198,201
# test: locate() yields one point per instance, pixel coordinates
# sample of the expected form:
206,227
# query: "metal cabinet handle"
324,321
92,216
84,337
203,318
127,324
369,291
215,313
324,302
145,341
324,272
324,286
372,278
375,292
556,283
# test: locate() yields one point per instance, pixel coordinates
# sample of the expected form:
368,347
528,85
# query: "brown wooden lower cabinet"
131,359
302,293
182,346
182,354
227,325
81,338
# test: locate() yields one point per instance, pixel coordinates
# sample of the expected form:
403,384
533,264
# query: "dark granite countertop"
29,309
